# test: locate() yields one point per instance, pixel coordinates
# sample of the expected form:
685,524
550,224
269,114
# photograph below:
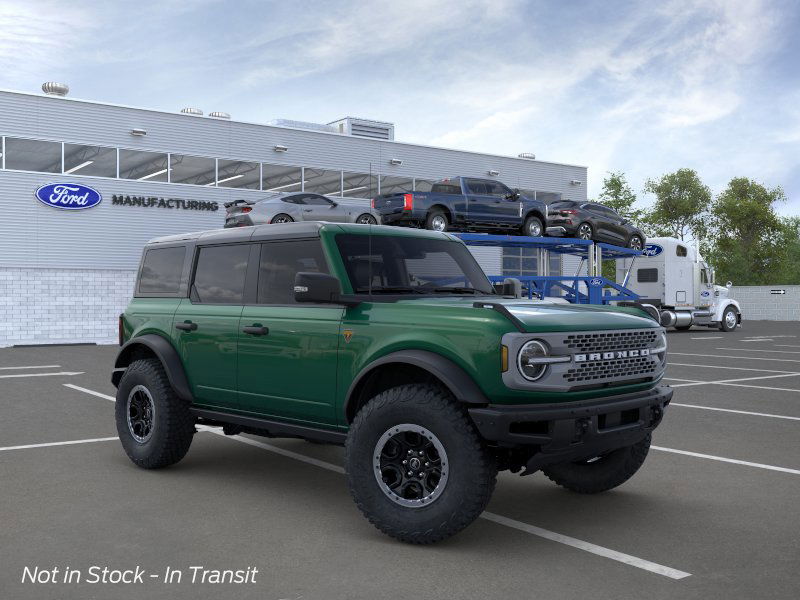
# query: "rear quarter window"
161,271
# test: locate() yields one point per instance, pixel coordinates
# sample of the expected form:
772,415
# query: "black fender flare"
460,384
165,352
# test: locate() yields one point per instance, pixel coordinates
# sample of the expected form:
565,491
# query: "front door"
207,324
287,351
320,208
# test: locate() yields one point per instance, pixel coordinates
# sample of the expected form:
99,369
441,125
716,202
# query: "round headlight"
532,350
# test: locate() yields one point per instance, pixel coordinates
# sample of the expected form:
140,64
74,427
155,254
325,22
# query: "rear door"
288,351
207,323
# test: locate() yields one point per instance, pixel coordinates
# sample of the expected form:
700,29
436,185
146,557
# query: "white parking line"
32,367
727,381
787,345
727,460
708,337
759,340
67,373
739,412
519,525
69,443
754,350
92,392
672,364
587,547
739,357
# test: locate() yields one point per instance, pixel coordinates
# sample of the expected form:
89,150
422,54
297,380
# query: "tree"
681,205
618,195
750,243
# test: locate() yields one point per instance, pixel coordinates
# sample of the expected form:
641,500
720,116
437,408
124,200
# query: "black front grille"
613,340
618,368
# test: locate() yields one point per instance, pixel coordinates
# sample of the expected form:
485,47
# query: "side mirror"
319,288
510,286
334,204
729,285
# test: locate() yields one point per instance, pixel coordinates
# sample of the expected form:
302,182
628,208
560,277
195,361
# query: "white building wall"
758,303
49,306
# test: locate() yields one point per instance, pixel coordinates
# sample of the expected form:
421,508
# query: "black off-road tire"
605,473
435,216
173,425
472,469
532,222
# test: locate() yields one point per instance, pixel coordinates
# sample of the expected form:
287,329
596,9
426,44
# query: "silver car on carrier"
297,206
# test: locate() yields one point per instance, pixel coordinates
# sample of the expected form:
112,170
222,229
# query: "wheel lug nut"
420,452
427,464
405,461
410,452
410,473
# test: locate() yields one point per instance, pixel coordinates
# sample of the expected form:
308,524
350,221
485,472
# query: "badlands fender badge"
611,355
348,335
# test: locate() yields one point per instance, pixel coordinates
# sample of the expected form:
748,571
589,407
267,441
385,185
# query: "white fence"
768,302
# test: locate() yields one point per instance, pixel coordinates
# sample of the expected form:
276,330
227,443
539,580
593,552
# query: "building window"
359,185
33,155
194,170
322,181
97,161
396,185
143,166
238,174
279,178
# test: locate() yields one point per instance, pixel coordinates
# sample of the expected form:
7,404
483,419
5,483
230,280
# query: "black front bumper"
576,430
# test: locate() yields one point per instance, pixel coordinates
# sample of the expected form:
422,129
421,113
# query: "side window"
446,188
495,188
280,262
294,200
316,200
219,275
647,275
161,270
476,186
704,276
681,250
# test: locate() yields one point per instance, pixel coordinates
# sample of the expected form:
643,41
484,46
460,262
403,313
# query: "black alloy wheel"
366,219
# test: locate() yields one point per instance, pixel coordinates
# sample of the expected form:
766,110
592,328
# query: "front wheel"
729,320
533,227
600,473
367,219
416,467
635,243
154,425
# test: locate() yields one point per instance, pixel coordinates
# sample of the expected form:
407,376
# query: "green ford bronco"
393,343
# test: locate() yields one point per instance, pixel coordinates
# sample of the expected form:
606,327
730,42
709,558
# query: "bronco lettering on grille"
611,355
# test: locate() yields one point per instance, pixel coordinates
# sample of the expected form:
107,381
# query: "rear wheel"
584,231
416,467
533,227
436,220
600,473
367,219
729,320
282,218
154,425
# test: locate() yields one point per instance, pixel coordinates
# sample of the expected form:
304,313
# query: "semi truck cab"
671,276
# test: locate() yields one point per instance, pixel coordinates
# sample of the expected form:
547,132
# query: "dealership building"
65,275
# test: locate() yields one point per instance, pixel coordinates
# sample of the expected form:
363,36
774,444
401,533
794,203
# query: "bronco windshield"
386,264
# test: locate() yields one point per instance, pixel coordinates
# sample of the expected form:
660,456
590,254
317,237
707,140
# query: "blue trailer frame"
577,289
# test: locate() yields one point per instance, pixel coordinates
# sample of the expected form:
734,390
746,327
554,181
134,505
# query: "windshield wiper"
397,289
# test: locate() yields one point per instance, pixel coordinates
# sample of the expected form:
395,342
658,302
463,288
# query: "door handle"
186,326
256,330
308,209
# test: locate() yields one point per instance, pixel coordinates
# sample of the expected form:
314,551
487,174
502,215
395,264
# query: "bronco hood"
545,316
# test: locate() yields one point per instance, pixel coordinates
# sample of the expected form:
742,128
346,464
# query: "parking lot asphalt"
713,513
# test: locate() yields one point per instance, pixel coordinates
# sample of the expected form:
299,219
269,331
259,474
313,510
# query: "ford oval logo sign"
68,196
652,250
705,294
596,281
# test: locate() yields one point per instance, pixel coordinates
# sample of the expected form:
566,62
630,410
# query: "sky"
639,87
